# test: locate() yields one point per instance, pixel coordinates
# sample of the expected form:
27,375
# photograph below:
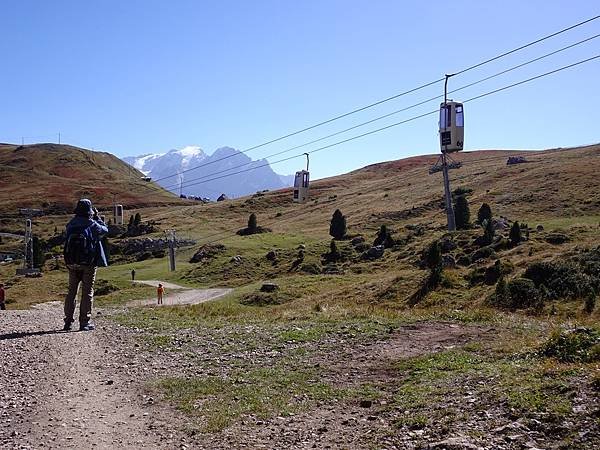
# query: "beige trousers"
86,276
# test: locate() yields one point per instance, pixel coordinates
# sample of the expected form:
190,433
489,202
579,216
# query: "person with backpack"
83,254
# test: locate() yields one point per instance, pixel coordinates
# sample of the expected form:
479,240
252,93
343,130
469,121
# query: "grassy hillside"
53,177
343,351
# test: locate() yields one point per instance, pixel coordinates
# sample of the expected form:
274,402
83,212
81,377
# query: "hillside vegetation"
448,340
53,177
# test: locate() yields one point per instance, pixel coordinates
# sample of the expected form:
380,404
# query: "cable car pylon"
451,131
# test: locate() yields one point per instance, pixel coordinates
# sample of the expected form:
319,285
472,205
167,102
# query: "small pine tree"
433,255
337,228
252,225
590,303
130,221
39,258
502,295
137,220
462,214
515,234
334,253
488,232
384,237
484,213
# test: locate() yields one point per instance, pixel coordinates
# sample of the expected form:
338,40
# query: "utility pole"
447,192
171,239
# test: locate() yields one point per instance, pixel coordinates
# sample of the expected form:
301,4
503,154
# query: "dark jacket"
98,228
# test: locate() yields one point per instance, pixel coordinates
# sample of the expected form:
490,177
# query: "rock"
269,287
236,259
207,251
448,245
301,247
448,261
557,238
271,256
357,240
454,443
374,252
540,228
366,403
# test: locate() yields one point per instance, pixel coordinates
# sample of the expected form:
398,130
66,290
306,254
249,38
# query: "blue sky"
133,77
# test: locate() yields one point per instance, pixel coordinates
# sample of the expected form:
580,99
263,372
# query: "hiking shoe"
86,327
67,326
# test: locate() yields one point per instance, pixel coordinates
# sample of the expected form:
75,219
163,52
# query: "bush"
252,227
577,345
557,238
484,214
515,234
384,237
433,255
311,268
519,293
104,287
337,228
562,279
334,254
488,231
483,253
462,214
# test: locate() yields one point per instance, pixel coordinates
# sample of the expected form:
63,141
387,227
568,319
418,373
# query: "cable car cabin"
118,214
301,181
452,127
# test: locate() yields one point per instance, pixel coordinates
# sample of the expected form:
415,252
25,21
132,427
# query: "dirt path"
180,296
71,389
82,389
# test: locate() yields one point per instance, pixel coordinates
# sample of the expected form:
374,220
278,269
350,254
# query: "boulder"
448,261
357,240
237,259
207,251
271,256
375,252
540,228
269,287
557,238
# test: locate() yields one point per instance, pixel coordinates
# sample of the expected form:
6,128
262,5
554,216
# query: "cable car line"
393,112
393,97
401,122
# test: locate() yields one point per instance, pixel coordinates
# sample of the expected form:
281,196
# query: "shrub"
484,213
562,279
590,303
483,253
557,238
462,214
334,254
519,293
384,237
523,294
579,344
337,228
104,287
433,255
310,268
515,234
252,225
488,232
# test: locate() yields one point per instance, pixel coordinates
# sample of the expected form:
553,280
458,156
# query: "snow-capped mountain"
206,175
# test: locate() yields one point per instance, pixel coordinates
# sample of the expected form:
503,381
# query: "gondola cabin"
118,214
452,127
301,182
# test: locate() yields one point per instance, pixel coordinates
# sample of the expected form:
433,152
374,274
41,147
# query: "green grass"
260,392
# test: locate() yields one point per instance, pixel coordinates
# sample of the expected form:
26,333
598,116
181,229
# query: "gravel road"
81,389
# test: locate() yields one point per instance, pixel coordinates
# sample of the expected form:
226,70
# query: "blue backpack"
80,247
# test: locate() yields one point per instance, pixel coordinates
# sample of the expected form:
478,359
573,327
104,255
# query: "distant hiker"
132,274
160,290
2,297
83,254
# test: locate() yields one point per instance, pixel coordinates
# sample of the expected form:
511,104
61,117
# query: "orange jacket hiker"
160,290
